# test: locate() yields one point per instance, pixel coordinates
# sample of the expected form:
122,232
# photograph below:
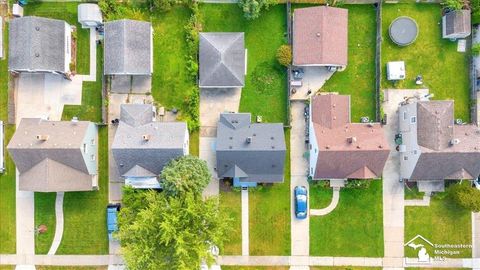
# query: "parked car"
300,193
112,213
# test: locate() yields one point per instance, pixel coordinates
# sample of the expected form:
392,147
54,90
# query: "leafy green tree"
476,49
454,4
465,196
185,174
284,55
158,231
252,8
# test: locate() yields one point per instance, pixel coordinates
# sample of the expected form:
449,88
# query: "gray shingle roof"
139,157
260,160
222,60
37,44
128,47
54,164
457,22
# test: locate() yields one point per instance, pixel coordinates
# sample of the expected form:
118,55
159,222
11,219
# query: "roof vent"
318,34
249,139
327,147
352,139
37,55
75,119
37,28
358,147
42,138
146,137
454,142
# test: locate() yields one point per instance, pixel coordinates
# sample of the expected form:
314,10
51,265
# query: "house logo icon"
419,243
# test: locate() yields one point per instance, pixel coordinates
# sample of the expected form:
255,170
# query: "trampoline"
403,31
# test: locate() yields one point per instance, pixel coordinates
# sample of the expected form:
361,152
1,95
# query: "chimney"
249,139
146,137
42,138
352,139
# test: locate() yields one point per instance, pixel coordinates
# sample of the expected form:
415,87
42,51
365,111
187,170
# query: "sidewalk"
245,224
25,213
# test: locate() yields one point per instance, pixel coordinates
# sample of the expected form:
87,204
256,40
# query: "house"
222,60
320,37
128,60
250,153
456,24
55,156
39,45
340,149
143,146
433,148
89,15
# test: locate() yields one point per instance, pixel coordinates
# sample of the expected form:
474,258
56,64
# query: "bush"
465,196
454,4
284,55
192,103
476,49
184,175
358,184
252,8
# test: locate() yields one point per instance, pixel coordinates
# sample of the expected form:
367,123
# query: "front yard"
265,85
354,228
7,198
441,223
445,71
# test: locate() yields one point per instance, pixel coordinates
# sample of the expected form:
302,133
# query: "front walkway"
58,223
300,229
423,202
333,204
245,222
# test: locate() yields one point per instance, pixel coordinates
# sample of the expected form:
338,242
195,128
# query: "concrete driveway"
300,229
213,102
313,79
393,189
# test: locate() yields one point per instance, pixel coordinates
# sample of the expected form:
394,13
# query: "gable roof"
128,47
458,22
137,156
54,161
37,43
345,149
252,152
222,60
320,36
435,124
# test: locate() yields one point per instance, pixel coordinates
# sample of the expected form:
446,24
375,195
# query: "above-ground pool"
403,31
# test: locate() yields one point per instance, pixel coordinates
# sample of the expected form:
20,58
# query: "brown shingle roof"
320,36
346,150
435,124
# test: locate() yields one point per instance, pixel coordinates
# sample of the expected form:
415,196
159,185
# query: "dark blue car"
300,193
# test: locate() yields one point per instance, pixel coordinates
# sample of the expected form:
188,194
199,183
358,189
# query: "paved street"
300,229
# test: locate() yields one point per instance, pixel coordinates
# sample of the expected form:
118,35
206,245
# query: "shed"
395,70
456,24
89,15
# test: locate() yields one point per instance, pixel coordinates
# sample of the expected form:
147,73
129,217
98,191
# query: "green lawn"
85,217
442,223
44,215
67,12
358,79
46,267
445,71
231,203
7,199
255,267
344,268
354,228
269,215
413,193
320,197
194,143
171,82
265,85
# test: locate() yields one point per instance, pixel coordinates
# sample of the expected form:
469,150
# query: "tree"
185,174
284,55
454,4
158,231
465,196
476,49
252,8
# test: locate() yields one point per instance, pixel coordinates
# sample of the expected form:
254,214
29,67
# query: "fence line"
378,60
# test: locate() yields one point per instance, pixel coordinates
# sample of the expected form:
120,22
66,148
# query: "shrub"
454,4
465,196
358,184
284,55
476,49
192,103
184,175
252,8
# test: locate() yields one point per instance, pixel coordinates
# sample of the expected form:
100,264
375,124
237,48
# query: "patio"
312,79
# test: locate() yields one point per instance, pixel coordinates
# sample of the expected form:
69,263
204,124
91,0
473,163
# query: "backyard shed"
396,70
456,24
89,15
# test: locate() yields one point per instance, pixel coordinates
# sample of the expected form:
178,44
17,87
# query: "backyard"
354,228
445,71
67,12
265,84
442,222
